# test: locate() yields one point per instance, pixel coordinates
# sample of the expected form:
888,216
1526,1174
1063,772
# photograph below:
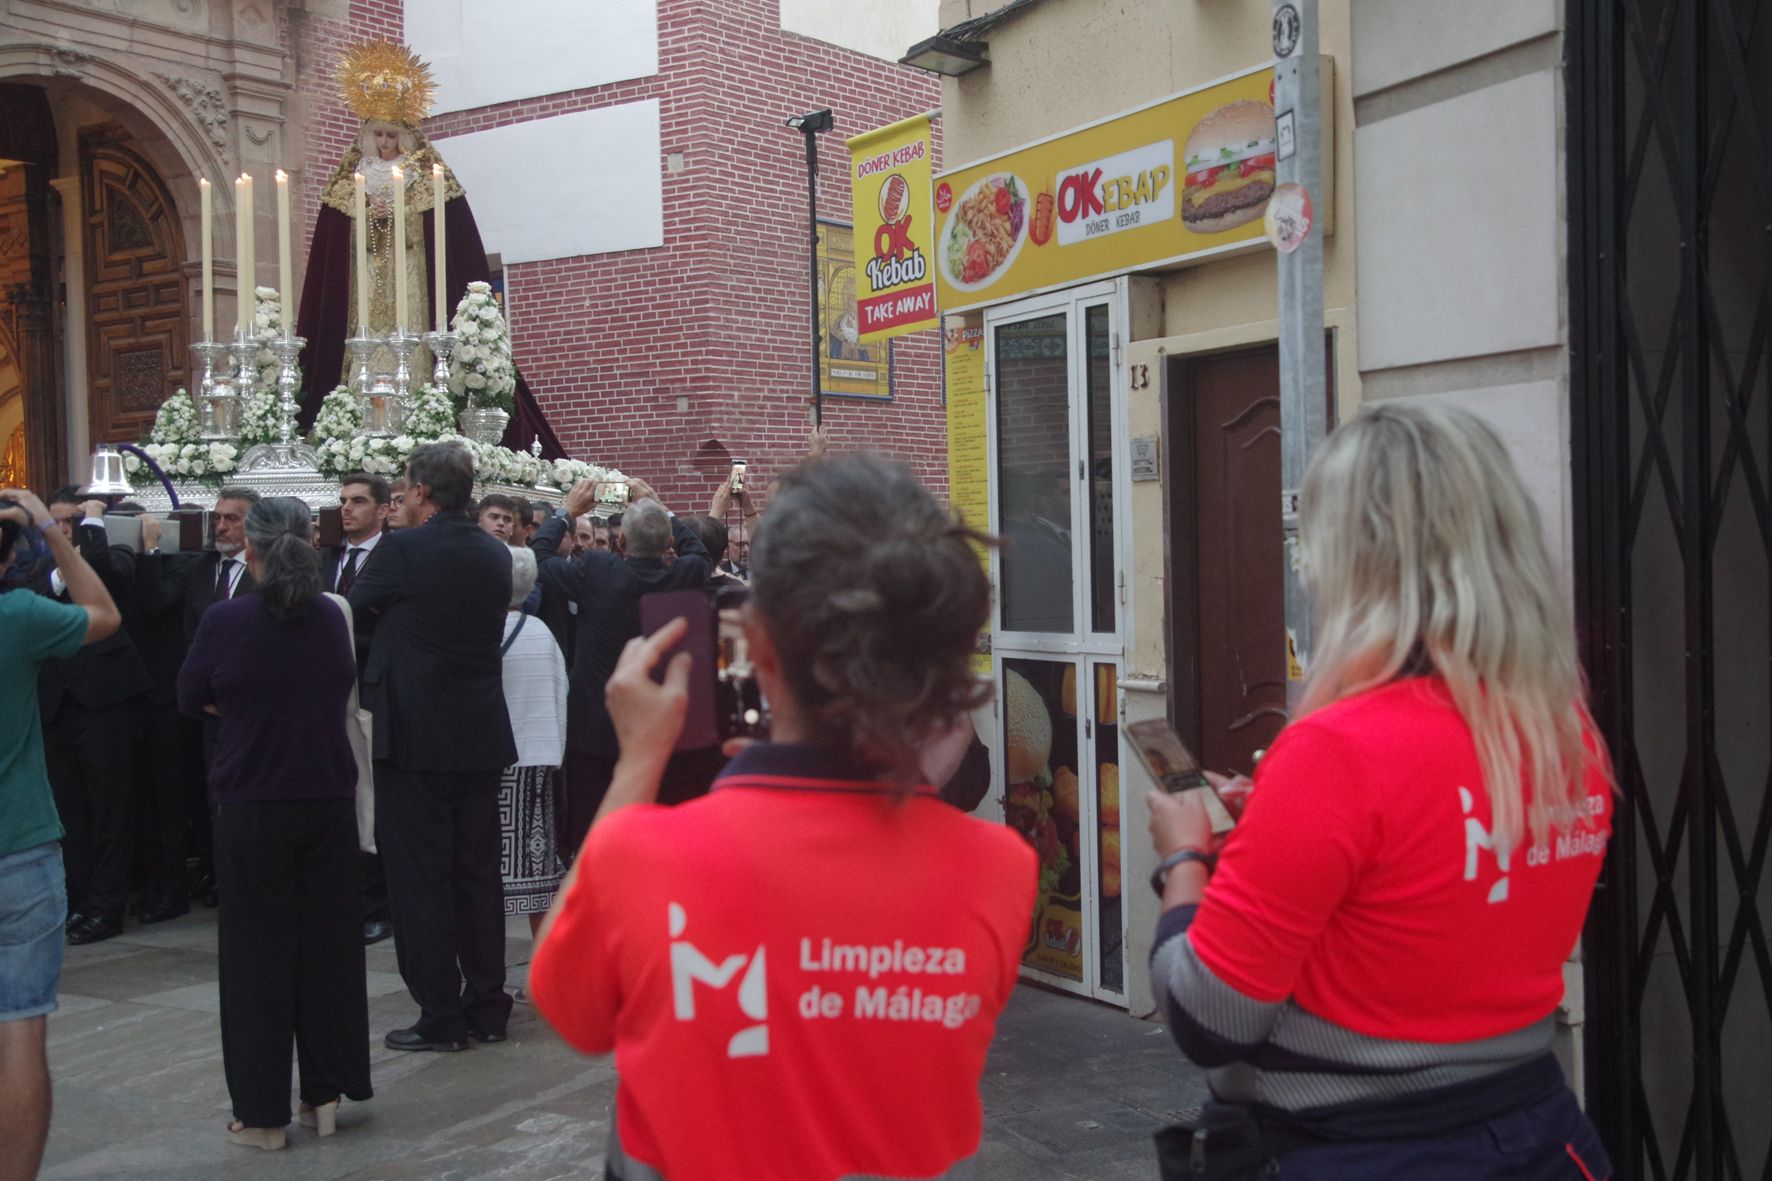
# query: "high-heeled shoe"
269,1139
323,1118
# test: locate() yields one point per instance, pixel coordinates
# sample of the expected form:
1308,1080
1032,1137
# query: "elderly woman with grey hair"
277,668
529,799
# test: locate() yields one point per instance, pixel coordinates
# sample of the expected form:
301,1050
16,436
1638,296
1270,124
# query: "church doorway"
137,312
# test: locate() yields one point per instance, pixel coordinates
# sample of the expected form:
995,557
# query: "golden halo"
386,82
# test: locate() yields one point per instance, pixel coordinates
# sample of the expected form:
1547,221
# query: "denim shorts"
33,908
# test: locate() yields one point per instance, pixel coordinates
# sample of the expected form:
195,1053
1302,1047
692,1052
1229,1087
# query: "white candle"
438,251
283,269
362,211
243,268
208,236
400,320
251,260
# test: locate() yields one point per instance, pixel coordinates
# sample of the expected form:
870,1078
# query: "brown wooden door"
1227,592
136,301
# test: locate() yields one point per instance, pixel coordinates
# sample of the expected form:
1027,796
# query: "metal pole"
812,244
1304,398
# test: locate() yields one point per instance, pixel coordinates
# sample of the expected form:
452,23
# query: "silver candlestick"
224,382
362,349
403,343
441,344
211,355
287,350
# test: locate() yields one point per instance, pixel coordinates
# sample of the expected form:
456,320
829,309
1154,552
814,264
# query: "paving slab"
1072,1089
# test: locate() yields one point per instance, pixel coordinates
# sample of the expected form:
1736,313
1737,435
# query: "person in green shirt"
33,897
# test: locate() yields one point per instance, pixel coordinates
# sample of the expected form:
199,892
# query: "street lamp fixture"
809,125
946,55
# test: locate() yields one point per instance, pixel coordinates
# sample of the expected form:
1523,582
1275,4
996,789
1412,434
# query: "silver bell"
108,477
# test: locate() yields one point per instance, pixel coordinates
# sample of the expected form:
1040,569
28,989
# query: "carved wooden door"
136,299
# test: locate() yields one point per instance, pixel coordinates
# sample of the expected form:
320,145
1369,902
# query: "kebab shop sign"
1180,179
889,186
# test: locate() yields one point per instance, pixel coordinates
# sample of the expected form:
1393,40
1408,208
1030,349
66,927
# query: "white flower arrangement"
175,421
199,461
260,416
480,369
431,414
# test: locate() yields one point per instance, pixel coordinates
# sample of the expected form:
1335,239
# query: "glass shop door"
1057,436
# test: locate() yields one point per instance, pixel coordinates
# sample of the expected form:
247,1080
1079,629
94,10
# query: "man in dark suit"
437,593
607,588
91,704
221,573
169,770
363,505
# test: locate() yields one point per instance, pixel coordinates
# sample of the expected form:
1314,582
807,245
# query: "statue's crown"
386,82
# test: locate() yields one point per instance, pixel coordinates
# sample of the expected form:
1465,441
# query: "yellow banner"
889,186
1182,178
969,475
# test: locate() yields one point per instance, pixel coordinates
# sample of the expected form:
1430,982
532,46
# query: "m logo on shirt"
689,965
1477,839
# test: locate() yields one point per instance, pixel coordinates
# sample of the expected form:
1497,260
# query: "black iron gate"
1670,220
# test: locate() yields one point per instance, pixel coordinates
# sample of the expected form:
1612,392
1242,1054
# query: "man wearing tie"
363,502
437,591
222,574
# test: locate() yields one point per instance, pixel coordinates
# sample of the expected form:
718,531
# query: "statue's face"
387,142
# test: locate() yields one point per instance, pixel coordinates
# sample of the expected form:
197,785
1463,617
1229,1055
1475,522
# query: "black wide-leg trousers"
291,954
439,837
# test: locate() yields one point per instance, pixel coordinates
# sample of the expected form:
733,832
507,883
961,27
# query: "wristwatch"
1160,875
563,515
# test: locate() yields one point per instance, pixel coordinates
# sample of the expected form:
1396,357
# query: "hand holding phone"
1175,769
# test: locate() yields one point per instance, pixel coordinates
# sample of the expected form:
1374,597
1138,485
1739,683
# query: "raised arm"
85,588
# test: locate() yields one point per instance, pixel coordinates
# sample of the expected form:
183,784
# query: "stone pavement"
1073,1089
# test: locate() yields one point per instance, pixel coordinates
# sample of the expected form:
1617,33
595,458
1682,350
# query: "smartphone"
738,470
1174,767
701,723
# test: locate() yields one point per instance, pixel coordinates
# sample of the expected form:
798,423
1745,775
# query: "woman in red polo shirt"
1373,967
800,972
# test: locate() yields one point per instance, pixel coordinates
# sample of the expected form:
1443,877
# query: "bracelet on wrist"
1160,875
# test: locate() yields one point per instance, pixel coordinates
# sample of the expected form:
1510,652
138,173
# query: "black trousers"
291,954
90,754
439,837
169,772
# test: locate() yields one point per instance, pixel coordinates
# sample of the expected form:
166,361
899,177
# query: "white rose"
488,313
476,382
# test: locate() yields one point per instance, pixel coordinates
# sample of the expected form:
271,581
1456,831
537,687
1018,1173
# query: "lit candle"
438,253
243,275
362,211
208,235
399,196
283,273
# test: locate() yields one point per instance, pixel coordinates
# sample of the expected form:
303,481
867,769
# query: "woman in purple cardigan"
277,668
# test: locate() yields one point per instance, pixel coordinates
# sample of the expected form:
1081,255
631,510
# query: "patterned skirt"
528,811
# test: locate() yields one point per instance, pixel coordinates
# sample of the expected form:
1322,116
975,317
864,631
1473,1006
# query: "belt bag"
1226,1142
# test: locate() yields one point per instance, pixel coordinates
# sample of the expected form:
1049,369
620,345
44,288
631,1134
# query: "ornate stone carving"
207,105
67,63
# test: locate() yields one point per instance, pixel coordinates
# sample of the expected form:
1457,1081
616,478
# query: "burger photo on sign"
1230,167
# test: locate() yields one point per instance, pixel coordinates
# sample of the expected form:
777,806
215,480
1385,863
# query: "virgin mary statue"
390,89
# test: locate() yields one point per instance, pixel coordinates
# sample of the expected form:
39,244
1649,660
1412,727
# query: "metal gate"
1670,207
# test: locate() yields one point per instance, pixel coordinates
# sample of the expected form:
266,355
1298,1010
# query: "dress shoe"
486,1037
412,1039
164,907
75,918
375,930
94,928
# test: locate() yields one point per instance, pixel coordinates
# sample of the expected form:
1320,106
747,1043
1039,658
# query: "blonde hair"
1419,543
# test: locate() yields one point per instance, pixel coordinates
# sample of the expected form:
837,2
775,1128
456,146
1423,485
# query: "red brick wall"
714,321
